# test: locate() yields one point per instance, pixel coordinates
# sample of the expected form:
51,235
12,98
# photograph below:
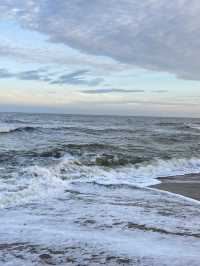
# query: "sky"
123,57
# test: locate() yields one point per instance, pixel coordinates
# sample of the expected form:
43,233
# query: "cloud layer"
153,34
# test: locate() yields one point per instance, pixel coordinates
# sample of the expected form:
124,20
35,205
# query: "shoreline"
187,185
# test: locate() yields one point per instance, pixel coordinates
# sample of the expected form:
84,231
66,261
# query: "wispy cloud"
58,56
105,91
78,77
158,35
37,75
4,73
144,102
159,91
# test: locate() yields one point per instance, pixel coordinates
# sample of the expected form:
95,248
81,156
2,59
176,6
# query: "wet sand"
187,185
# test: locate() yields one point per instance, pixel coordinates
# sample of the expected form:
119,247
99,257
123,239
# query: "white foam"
35,181
45,228
176,195
5,128
59,223
194,126
143,174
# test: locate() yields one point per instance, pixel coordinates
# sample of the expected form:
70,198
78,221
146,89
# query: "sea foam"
39,181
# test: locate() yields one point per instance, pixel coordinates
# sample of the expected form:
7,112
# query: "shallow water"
73,190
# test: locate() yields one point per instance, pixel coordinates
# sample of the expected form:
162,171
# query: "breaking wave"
87,154
193,126
38,181
10,129
141,174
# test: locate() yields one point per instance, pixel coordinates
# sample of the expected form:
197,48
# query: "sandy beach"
187,185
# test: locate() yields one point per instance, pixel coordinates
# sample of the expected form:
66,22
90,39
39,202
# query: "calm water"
74,190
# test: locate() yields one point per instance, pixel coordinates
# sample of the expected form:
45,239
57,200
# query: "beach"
188,185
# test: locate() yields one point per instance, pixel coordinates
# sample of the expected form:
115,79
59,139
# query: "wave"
39,181
25,126
93,154
138,174
180,126
169,124
70,168
87,154
7,128
193,126
15,121
10,129
33,183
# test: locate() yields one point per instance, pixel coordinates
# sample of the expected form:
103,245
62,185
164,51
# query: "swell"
169,124
180,126
8,130
94,131
195,126
88,154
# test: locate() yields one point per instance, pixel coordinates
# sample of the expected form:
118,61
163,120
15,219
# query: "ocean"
75,190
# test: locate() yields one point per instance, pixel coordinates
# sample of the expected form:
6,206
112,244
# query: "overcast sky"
100,57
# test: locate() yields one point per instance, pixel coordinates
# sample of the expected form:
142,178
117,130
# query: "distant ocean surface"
74,190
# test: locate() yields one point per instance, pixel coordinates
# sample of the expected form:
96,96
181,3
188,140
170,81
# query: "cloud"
77,78
144,103
159,35
160,91
57,56
37,75
73,78
4,73
104,91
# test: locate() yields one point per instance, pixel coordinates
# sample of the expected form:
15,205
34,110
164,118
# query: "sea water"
74,190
